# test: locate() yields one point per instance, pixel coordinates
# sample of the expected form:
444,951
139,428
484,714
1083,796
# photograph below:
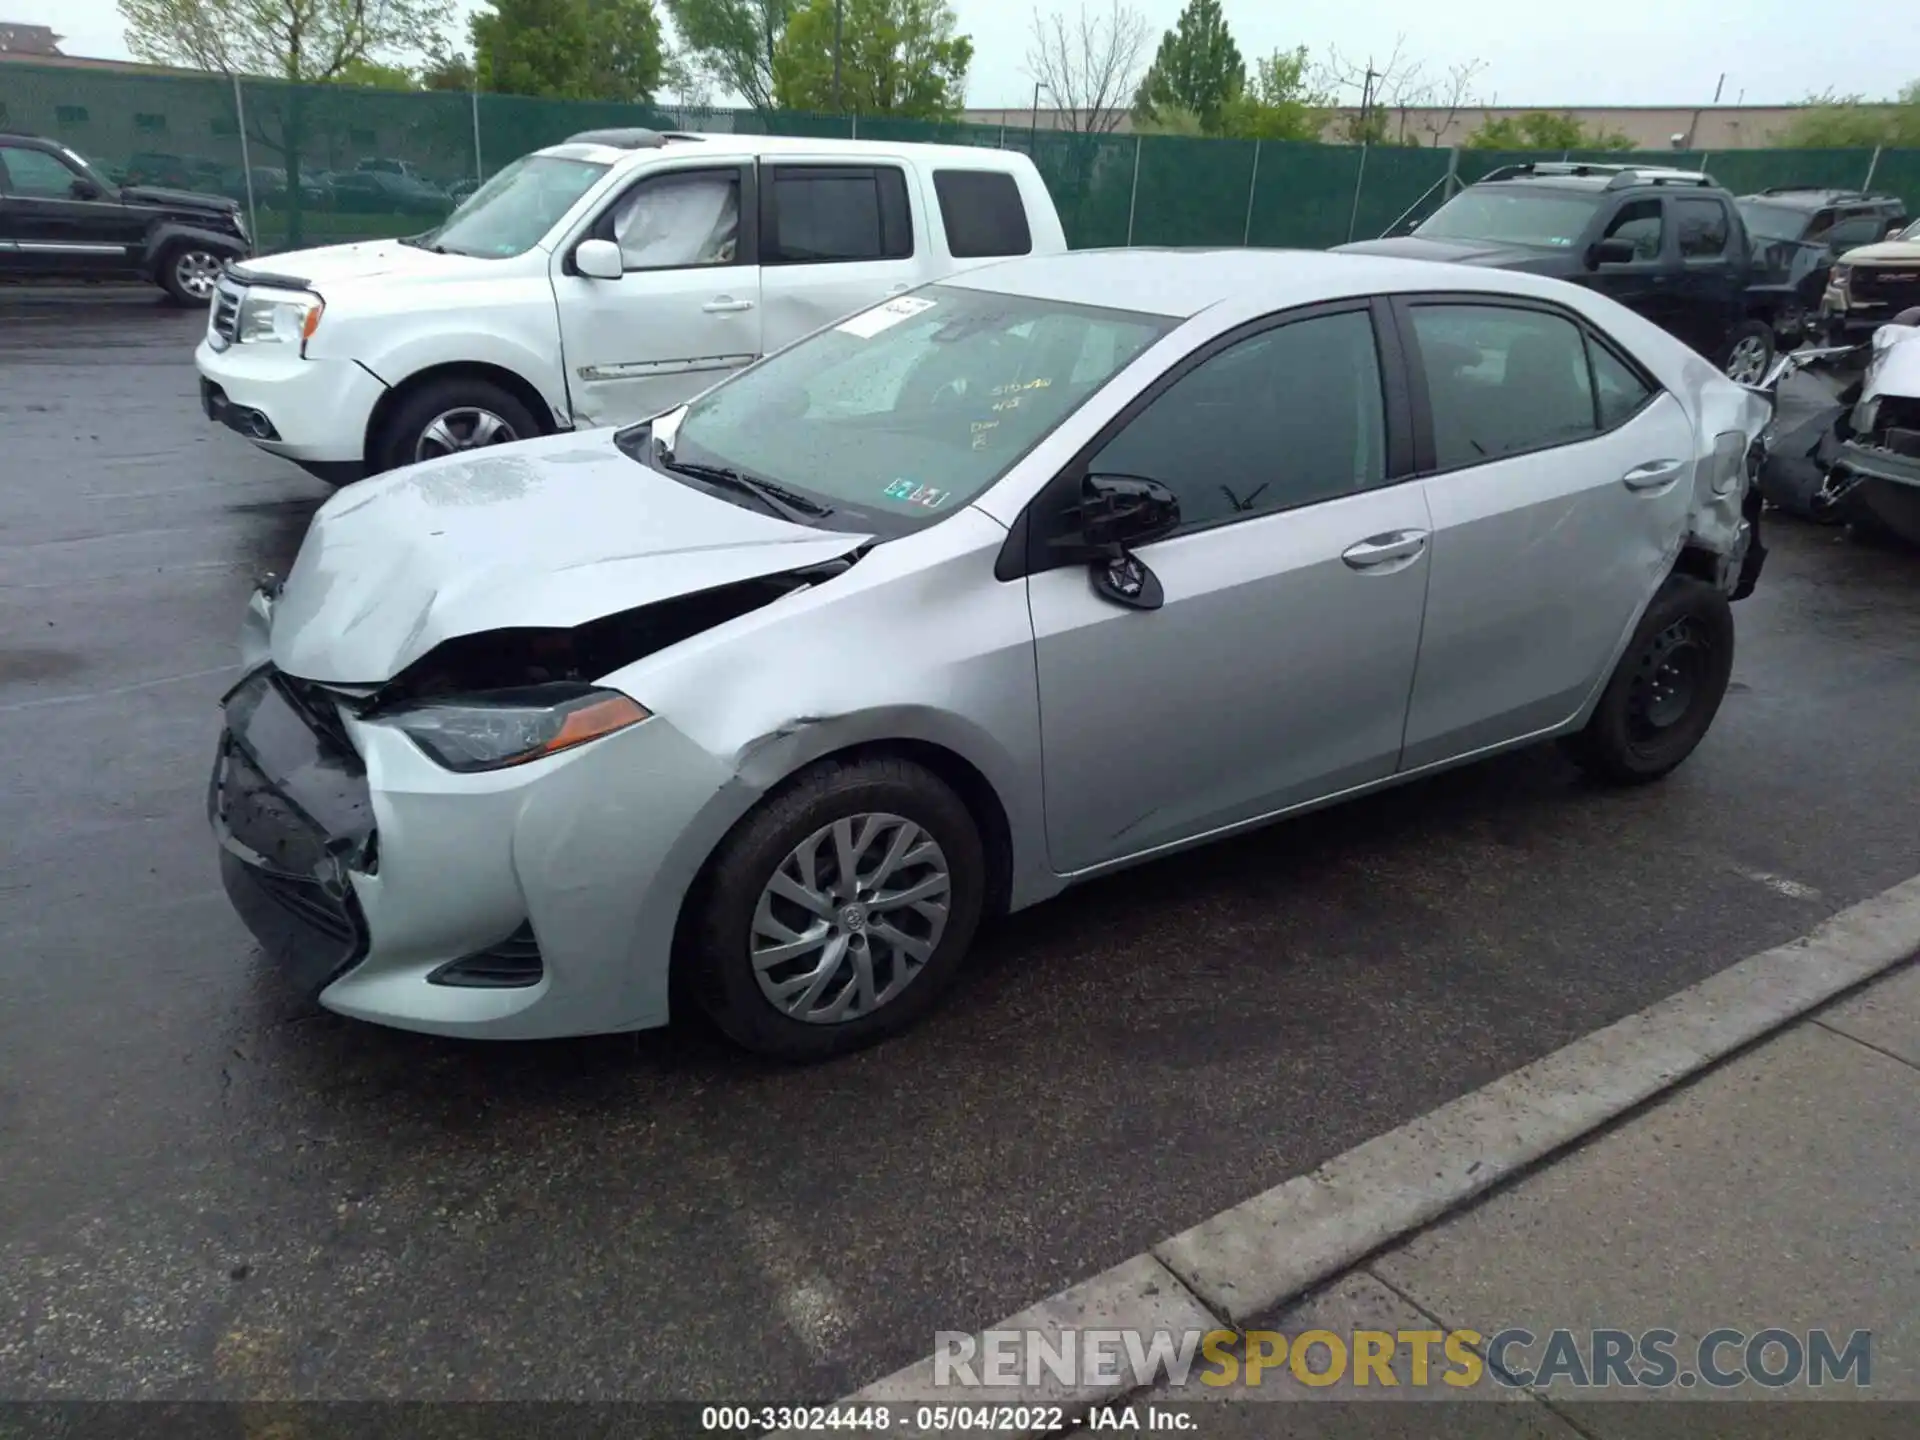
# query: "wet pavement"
208,1189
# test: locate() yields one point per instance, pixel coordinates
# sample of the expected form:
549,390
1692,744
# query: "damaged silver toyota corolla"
1028,575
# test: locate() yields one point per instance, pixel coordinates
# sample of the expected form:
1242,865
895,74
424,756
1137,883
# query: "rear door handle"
726,305
1653,475
1378,553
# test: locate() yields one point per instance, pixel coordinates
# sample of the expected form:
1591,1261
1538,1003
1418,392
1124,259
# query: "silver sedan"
1026,576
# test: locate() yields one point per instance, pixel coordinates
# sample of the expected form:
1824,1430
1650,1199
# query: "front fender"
428,348
173,232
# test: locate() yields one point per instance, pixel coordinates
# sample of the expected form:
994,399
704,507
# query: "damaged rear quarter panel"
916,642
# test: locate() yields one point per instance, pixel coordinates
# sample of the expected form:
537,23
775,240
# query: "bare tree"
1447,98
1385,91
1090,64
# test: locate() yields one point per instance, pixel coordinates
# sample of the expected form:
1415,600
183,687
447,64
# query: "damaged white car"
1034,573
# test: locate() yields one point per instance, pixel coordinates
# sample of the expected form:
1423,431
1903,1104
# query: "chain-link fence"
320,163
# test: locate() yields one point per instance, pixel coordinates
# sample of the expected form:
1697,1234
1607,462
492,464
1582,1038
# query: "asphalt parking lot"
209,1190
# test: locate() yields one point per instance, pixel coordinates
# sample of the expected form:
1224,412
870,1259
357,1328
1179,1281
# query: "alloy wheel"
197,272
1748,363
850,918
466,428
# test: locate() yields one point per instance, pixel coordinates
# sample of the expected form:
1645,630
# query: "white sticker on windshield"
869,323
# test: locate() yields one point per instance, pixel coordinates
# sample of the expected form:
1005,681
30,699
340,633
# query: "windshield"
906,412
1773,222
1550,220
513,211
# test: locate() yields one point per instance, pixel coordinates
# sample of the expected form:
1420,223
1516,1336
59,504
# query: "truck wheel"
1666,689
839,911
189,273
445,417
1749,352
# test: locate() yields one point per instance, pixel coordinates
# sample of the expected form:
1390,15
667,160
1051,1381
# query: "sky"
1638,52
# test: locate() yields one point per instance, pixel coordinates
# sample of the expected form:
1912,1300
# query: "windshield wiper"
420,242
776,499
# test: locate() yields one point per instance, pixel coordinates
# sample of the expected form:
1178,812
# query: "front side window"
678,220
1548,220
1703,227
36,173
1284,418
836,214
512,212
1856,230
1638,223
1502,381
904,413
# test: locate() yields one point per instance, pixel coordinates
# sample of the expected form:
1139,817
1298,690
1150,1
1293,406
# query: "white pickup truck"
594,282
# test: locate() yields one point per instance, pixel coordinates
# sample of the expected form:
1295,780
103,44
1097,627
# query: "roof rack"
1619,177
629,138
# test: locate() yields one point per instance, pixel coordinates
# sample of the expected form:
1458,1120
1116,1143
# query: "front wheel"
1749,352
447,417
189,273
839,911
1666,689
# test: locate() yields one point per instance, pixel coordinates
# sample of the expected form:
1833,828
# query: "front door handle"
1378,553
726,305
1653,475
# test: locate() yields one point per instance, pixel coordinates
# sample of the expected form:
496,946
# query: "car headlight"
279,317
1837,277
511,727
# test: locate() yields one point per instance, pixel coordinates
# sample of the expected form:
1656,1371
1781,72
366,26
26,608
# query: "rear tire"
740,920
450,416
1666,689
1749,352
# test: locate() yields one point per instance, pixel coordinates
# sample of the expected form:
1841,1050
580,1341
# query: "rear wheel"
188,273
448,417
1749,352
1666,689
839,911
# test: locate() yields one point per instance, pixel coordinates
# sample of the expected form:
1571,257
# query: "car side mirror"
1610,252
1115,513
85,190
598,260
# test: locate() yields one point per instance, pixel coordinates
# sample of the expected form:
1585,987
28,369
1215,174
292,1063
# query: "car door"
56,218
1644,284
834,238
1559,477
686,310
1712,276
1278,668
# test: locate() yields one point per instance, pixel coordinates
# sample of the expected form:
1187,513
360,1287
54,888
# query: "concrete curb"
1247,1261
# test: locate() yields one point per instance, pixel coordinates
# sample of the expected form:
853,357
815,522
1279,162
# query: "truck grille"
1895,285
225,320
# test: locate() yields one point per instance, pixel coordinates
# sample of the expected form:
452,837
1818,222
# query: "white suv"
593,283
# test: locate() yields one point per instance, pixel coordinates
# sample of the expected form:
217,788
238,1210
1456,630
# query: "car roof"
1181,283
1816,197
721,144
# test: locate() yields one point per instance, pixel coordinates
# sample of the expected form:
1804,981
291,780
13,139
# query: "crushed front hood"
550,533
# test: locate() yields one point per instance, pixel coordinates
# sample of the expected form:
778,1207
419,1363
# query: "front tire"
1666,689
449,417
189,273
839,911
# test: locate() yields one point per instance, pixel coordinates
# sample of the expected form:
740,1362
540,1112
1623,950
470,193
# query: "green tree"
734,41
1542,130
371,75
447,70
1280,101
1197,67
1852,122
898,57
569,49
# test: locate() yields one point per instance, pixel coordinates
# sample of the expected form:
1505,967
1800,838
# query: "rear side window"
1858,230
836,214
1502,381
1703,228
982,213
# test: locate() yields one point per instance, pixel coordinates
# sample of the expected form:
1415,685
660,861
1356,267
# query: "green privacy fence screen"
319,163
